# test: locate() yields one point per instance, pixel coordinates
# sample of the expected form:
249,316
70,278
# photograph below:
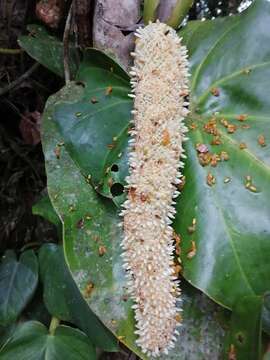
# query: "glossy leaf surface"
47,50
18,282
92,247
31,341
94,126
64,300
232,213
230,65
45,209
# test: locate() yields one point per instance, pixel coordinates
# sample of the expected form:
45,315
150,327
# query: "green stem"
178,13
53,325
11,51
149,11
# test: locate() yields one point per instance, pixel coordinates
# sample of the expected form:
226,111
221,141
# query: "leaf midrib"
104,108
224,79
117,76
254,158
212,48
121,88
247,152
250,116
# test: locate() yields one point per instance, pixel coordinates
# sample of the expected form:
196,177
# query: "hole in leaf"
80,83
114,168
117,189
240,338
125,32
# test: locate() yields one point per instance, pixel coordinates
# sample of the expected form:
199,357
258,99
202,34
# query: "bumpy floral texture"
159,87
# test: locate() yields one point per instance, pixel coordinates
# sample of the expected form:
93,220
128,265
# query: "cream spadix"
159,86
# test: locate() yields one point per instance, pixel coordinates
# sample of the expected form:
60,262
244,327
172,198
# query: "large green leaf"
230,58
18,282
47,50
64,301
244,338
266,313
32,341
92,248
232,228
6,332
94,126
45,209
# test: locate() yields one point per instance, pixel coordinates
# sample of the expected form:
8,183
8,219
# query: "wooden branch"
19,80
66,44
83,21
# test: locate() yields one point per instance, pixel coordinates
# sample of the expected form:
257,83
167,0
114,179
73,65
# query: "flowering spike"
161,76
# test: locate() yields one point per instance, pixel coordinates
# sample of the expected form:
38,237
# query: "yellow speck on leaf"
108,90
192,251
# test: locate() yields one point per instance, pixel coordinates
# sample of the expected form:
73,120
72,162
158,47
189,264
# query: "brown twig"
66,45
19,80
83,14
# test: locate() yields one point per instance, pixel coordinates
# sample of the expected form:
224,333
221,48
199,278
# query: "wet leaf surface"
90,222
232,227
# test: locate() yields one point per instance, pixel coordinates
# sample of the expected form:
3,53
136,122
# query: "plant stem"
83,19
19,80
149,11
53,325
66,45
179,12
11,51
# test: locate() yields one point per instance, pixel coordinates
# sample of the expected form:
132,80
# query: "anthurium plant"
158,174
